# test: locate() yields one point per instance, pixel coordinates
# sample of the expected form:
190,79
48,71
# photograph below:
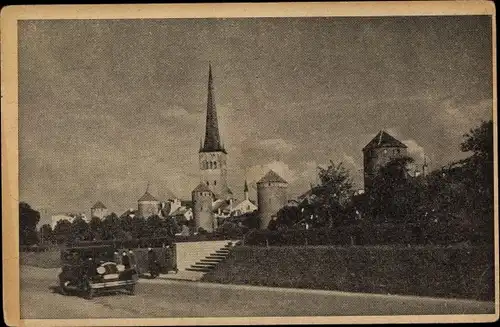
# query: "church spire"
212,138
245,190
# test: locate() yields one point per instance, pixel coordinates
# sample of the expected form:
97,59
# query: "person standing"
133,259
116,257
153,263
125,260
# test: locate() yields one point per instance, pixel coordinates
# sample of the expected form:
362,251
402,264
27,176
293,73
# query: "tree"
62,231
28,219
332,195
394,193
288,216
46,234
111,227
80,230
95,226
138,227
155,227
171,225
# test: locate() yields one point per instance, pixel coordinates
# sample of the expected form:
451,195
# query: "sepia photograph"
325,162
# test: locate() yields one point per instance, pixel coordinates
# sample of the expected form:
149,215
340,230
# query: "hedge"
368,234
437,271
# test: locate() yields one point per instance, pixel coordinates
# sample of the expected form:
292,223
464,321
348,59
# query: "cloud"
415,150
178,113
277,144
256,172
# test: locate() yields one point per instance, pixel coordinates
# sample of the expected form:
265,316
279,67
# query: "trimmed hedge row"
455,272
368,234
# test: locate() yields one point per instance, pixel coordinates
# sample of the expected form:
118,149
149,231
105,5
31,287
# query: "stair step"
216,256
199,269
211,260
208,264
202,265
222,251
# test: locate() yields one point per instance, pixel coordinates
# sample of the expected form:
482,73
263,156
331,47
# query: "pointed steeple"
425,166
245,190
212,137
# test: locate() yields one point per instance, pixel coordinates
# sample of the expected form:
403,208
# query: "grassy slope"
426,271
47,259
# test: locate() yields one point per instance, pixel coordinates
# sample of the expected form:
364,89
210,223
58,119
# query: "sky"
106,106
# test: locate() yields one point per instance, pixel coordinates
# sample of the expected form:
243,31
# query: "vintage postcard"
271,163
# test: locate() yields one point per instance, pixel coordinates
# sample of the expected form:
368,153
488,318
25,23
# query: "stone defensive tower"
271,196
147,205
203,217
98,210
378,152
212,155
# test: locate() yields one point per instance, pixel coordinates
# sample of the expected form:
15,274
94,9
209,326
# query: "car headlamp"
101,270
120,267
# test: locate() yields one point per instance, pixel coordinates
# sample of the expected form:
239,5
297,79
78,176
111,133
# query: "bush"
461,272
368,234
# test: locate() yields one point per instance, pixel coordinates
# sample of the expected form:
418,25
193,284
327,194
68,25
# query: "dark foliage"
28,219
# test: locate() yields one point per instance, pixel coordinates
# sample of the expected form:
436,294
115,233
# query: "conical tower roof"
98,205
147,197
271,176
202,188
384,140
212,137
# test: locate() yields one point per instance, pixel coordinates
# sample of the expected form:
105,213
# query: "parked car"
91,269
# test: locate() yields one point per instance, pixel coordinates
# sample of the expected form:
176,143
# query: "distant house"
243,207
129,213
182,214
98,210
306,197
67,216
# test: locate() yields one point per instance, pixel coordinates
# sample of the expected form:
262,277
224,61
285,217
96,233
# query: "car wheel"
131,289
88,292
62,289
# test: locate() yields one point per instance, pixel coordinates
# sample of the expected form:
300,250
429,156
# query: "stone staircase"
212,259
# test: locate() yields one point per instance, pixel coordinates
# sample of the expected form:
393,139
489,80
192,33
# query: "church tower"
212,155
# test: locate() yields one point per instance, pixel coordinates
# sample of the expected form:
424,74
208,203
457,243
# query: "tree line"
459,194
110,227
454,198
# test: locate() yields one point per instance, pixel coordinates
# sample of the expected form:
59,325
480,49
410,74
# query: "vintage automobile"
89,269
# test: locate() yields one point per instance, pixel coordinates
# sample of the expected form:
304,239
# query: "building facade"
382,149
212,155
272,195
147,205
98,210
202,197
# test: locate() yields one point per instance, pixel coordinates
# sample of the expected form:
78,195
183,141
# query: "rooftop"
384,140
272,176
147,197
99,205
202,188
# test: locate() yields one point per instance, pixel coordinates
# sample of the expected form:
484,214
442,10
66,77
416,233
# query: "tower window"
215,182
269,184
215,165
208,183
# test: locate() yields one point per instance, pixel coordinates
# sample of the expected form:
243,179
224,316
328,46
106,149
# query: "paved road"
172,298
